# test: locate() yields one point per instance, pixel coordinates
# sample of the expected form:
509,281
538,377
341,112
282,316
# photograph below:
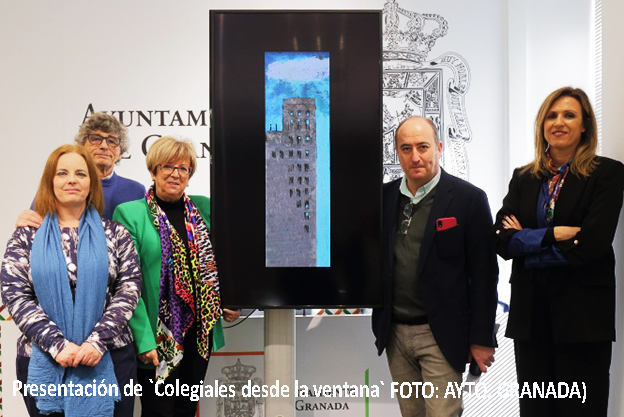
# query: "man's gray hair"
436,135
107,124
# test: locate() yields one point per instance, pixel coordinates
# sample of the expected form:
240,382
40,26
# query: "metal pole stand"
279,360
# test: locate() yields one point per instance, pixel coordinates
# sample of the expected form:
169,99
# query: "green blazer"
135,215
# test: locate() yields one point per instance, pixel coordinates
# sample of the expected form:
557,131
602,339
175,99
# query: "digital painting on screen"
297,206
296,209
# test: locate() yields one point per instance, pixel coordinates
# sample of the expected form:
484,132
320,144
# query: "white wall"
548,46
613,146
58,57
154,56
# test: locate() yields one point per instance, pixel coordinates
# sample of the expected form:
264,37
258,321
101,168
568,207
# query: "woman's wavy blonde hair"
584,160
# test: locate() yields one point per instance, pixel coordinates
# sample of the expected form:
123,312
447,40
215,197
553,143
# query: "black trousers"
543,361
580,363
124,362
191,371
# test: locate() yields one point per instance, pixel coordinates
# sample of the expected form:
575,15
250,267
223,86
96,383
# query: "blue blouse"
528,243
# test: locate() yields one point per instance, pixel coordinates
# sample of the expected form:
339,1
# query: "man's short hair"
436,135
107,124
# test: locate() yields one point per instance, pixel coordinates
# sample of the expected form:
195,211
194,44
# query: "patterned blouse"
124,290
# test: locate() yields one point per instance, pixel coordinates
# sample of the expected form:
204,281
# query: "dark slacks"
586,364
124,363
543,361
191,371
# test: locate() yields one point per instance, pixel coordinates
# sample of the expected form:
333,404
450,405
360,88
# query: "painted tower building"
291,187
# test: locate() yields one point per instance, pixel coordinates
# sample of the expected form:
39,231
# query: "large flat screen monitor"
296,157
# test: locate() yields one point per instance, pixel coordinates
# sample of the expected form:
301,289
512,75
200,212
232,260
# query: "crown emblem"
409,36
238,371
416,85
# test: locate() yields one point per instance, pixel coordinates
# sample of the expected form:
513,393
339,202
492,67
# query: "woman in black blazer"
557,223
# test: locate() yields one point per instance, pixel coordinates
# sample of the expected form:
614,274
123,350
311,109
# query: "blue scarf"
76,319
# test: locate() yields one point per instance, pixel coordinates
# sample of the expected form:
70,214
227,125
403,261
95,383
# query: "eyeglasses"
407,212
183,170
95,139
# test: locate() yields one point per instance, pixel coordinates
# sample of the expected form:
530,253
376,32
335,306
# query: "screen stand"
279,360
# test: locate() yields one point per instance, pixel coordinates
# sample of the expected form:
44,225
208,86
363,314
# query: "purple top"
124,289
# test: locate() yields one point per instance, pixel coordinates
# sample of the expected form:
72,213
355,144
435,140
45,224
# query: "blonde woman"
557,223
176,324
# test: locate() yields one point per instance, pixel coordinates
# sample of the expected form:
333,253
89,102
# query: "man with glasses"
440,273
106,139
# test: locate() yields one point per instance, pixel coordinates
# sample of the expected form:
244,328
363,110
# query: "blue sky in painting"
304,74
296,74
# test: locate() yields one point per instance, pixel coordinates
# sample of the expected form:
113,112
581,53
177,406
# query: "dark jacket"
578,300
458,272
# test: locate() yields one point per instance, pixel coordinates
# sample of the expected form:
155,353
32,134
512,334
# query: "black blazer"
458,271
577,300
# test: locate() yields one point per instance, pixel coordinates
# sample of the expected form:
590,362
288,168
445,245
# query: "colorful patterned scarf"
555,183
186,294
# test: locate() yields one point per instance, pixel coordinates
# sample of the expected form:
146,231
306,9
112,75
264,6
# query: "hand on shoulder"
29,218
